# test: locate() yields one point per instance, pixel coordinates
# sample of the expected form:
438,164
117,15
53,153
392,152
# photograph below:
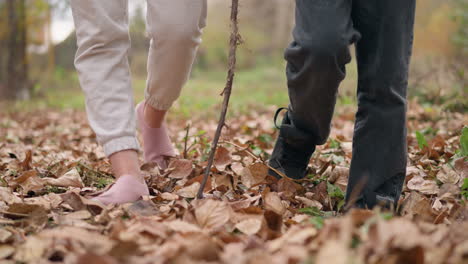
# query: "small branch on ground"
233,43
187,130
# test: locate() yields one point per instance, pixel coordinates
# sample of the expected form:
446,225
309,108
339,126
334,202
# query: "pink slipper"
126,189
157,145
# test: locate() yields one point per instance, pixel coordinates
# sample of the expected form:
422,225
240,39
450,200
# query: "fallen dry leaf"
211,214
418,183
254,174
189,191
70,179
181,168
246,217
249,226
222,158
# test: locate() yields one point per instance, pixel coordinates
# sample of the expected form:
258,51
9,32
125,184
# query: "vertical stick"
233,43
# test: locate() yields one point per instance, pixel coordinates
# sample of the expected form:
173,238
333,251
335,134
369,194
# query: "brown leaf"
418,183
189,191
417,206
77,203
30,181
212,214
448,175
222,158
237,168
70,179
7,196
26,163
309,202
254,174
249,226
169,196
142,208
272,202
181,168
448,190
222,180
336,173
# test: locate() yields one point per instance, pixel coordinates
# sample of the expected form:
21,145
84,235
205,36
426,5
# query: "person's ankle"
126,163
154,118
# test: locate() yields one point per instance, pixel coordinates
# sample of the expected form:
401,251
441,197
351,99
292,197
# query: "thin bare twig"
233,43
257,158
187,129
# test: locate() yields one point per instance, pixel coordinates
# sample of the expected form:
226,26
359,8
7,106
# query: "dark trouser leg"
316,62
378,166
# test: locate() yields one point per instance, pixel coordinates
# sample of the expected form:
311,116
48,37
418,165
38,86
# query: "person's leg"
316,62
378,165
102,65
175,28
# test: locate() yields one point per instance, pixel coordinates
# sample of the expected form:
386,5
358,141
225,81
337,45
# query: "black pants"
382,31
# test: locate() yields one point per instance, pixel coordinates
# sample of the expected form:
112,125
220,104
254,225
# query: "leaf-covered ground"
50,163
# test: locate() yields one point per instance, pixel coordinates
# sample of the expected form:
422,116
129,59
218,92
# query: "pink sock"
126,189
156,142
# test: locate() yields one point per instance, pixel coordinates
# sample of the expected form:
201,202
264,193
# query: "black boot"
292,151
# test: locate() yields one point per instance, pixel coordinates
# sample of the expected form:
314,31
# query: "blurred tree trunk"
17,84
283,24
3,28
50,44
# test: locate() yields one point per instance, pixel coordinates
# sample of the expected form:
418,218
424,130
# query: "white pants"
175,28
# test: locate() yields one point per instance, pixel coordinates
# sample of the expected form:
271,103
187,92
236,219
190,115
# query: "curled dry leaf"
254,174
222,158
309,202
169,196
418,183
447,174
189,191
237,168
30,181
417,206
249,226
272,202
211,214
7,196
181,168
336,173
70,179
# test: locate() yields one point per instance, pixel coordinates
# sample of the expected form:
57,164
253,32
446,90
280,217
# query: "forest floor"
50,163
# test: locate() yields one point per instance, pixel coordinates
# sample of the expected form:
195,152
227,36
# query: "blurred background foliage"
46,76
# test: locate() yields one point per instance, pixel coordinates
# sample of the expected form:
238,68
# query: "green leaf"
465,188
313,211
317,221
464,142
422,142
334,191
334,144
